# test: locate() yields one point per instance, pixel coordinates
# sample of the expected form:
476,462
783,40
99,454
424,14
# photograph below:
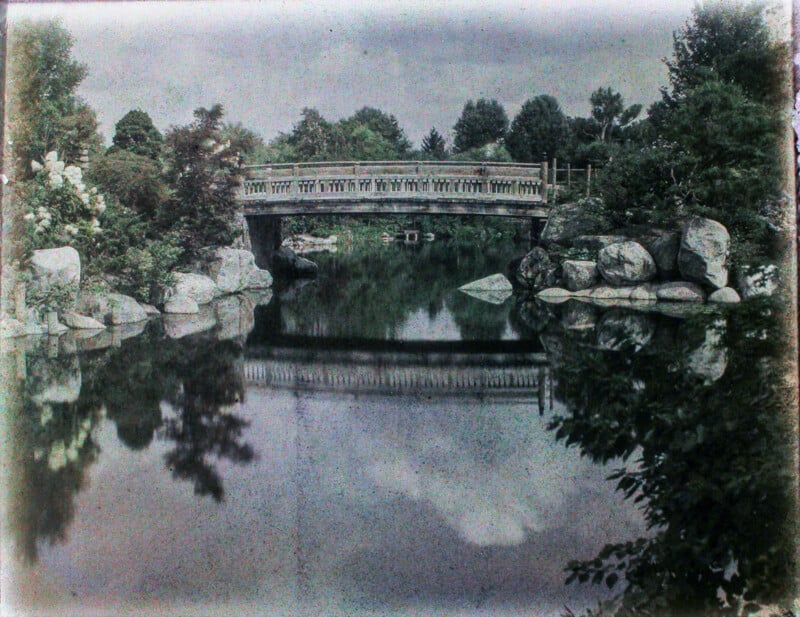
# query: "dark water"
381,444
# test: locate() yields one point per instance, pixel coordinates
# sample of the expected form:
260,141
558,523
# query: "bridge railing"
423,179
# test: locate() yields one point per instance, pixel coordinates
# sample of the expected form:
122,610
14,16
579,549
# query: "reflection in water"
344,502
704,414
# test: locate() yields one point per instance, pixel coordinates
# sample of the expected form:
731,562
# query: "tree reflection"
712,468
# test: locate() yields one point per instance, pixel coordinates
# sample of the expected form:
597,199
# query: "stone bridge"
269,192
503,369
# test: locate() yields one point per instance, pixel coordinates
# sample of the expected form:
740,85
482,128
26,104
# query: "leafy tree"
479,124
538,131
609,112
382,124
136,133
248,144
47,115
316,139
434,145
203,174
134,179
730,43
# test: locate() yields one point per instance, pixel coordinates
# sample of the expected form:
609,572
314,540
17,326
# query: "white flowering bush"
59,208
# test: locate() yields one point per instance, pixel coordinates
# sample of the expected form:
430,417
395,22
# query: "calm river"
382,444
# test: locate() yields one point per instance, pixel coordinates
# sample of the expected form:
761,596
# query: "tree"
316,139
136,133
46,113
203,174
479,124
434,145
730,43
246,143
134,179
610,113
538,131
382,124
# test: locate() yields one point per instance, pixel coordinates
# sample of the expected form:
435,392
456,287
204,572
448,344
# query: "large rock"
230,269
198,287
494,289
726,295
287,264
111,308
181,305
568,221
703,255
680,291
596,242
664,250
54,274
626,263
759,281
259,279
536,271
81,322
578,275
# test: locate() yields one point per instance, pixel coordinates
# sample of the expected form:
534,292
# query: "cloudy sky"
419,60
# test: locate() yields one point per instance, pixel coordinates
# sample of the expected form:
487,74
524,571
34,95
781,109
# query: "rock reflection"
704,414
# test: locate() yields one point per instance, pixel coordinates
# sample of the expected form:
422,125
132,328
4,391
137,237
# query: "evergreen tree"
479,124
136,133
538,131
434,145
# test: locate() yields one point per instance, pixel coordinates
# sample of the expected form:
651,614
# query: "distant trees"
480,123
434,145
538,131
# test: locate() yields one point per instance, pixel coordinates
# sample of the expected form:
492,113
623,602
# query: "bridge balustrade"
429,180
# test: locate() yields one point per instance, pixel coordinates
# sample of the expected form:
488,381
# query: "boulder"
703,253
80,322
11,328
54,273
536,271
554,295
181,305
150,309
617,331
606,292
198,287
664,250
596,243
230,269
111,308
644,293
726,295
568,221
288,264
680,291
259,279
578,275
758,281
626,263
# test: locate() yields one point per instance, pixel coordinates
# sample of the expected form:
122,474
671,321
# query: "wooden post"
545,175
555,179
569,175
588,180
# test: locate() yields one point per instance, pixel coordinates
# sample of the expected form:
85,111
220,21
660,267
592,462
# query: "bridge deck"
500,189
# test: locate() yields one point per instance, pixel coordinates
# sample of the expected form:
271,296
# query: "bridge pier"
265,238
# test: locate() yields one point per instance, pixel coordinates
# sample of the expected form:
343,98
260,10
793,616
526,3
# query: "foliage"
135,180
47,115
729,43
136,133
434,146
248,144
383,125
203,174
481,122
610,113
60,209
538,131
712,470
491,152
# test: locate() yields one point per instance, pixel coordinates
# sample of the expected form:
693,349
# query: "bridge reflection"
484,369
